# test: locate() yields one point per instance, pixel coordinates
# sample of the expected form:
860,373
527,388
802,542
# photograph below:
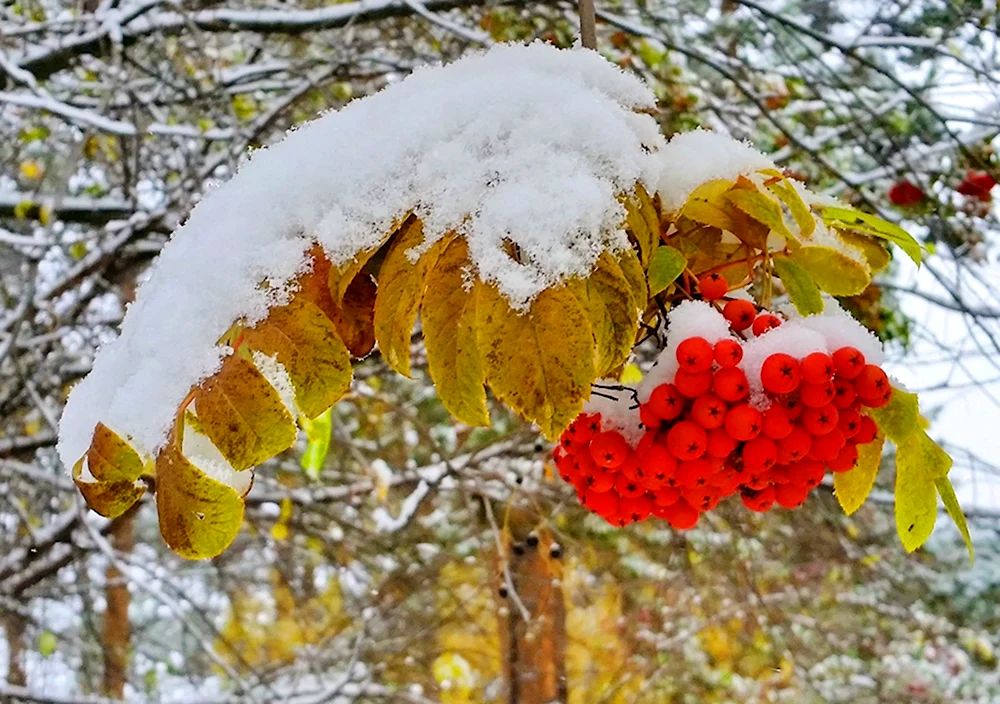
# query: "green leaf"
47,643
844,217
761,208
919,464
947,492
664,268
833,271
802,290
318,431
899,418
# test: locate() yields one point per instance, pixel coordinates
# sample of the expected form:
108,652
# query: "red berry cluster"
704,441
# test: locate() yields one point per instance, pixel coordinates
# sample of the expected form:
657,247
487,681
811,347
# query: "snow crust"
692,158
529,144
619,411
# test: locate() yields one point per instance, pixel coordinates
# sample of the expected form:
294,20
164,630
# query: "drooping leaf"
115,468
833,271
352,310
849,218
642,221
633,272
711,190
243,414
853,487
346,273
919,464
540,363
876,255
781,187
448,318
318,431
306,343
947,492
802,290
199,516
400,290
108,499
899,418
664,268
761,208
708,213
612,311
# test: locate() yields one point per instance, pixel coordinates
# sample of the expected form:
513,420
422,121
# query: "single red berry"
709,411
867,432
712,286
848,362
647,440
765,322
780,373
743,422
584,428
692,385
977,184
604,504
600,480
827,446
794,447
846,460
609,448
740,314
693,472
631,468
657,459
778,474
727,353
849,422
843,393
791,495
792,405
817,368
820,421
694,355
871,384
584,463
666,402
880,400
807,471
665,496
627,488
680,515
776,423
905,194
759,454
637,508
648,418
720,443
760,500
686,440
816,395
730,384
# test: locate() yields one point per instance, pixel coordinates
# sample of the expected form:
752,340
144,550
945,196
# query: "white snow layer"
526,143
693,158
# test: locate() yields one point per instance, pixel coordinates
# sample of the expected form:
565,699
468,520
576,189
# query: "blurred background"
371,567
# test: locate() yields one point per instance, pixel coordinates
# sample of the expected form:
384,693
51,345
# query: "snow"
693,158
616,404
529,144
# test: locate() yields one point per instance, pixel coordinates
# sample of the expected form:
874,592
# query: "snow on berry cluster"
763,417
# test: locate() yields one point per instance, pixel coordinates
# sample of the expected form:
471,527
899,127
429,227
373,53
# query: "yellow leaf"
631,374
612,311
448,319
635,275
111,459
306,343
919,464
780,185
667,264
32,170
708,213
400,290
108,499
642,222
199,516
351,311
711,190
899,418
875,254
947,492
761,208
802,290
833,271
243,415
853,487
540,363
341,278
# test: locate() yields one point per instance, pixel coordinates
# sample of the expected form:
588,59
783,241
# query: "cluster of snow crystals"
618,408
529,144
688,319
693,158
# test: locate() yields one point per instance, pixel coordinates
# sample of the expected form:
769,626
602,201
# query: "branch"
69,208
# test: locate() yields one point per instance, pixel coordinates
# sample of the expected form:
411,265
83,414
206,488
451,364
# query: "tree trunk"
14,624
116,633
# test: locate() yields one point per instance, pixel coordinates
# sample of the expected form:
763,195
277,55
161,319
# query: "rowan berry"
792,405
720,443
740,314
693,385
648,418
843,393
657,462
709,411
680,515
759,454
637,508
665,496
871,383
765,322
780,373
584,463
758,500
600,480
686,440
878,401
820,421
712,286
849,362
849,422
808,472
730,384
666,402
584,427
694,355
743,422
867,432
791,495
727,353
632,468
845,460
756,482
776,424
816,395
627,488
693,472
827,446
817,368
608,448
794,447
647,440
604,504
702,498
